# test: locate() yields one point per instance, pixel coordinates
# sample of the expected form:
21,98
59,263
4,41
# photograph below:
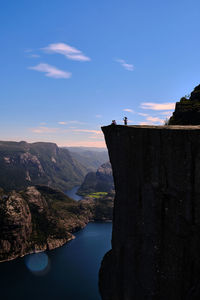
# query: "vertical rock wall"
156,230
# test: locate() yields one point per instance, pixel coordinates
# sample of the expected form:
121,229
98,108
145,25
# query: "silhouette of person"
125,120
114,122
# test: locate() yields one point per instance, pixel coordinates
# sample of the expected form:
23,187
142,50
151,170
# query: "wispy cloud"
43,129
62,123
98,116
154,120
151,120
166,113
128,110
70,122
143,115
28,50
84,143
157,106
51,71
88,131
75,122
66,50
125,65
34,55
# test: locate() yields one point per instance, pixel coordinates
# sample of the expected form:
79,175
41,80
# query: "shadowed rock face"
156,230
187,111
99,181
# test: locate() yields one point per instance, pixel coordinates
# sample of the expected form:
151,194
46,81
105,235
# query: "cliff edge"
156,228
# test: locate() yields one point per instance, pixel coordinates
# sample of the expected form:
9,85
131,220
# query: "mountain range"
25,164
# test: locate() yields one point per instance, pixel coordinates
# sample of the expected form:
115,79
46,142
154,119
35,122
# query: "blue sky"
69,67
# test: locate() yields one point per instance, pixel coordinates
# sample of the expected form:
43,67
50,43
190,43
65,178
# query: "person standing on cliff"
114,122
125,120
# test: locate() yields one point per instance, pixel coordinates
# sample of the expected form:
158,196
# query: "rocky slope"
41,218
187,111
99,181
23,164
156,240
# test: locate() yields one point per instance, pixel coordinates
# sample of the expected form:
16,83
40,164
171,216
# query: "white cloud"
66,50
157,106
51,71
124,64
98,116
128,110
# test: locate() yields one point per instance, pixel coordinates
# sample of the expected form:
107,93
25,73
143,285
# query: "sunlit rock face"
40,218
156,229
16,225
36,219
26,164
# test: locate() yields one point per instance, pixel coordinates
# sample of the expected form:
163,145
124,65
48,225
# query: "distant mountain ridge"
25,164
92,158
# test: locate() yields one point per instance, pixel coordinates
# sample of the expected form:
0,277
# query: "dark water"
72,193
72,273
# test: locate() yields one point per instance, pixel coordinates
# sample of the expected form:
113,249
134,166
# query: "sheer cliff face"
156,230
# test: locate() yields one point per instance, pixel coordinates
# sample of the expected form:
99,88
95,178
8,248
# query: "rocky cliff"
187,110
99,181
37,219
41,218
25,164
156,230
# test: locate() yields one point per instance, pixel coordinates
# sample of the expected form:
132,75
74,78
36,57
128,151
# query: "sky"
69,67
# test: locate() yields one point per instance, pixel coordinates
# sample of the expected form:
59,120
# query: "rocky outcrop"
25,164
99,181
37,219
41,218
187,111
156,240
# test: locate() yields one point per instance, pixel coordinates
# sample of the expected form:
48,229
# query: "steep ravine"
156,228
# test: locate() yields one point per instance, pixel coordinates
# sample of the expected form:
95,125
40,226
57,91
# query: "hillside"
23,164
